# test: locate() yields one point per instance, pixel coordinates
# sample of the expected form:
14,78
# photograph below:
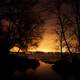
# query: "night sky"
43,20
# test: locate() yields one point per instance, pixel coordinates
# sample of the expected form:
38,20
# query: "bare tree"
63,20
21,20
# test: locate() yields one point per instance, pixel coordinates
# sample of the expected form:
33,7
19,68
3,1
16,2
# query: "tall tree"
21,19
63,20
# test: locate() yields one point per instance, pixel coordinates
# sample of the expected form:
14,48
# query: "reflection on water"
43,68
43,72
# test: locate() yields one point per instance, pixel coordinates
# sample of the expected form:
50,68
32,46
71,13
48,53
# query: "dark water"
43,72
65,70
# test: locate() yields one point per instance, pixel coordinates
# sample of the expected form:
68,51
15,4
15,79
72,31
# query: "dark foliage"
68,70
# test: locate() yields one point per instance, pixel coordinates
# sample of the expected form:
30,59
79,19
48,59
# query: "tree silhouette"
22,20
76,11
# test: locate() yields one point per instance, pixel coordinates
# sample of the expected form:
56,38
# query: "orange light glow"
45,49
15,49
49,43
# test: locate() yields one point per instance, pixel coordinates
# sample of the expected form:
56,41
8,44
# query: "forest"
40,27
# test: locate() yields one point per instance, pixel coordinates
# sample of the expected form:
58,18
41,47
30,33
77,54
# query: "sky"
45,12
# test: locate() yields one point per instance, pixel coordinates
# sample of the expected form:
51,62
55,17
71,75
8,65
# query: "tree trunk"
62,34
77,21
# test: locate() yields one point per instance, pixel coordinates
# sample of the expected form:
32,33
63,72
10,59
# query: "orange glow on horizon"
45,50
49,43
15,49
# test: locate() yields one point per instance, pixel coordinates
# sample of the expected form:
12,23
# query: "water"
43,72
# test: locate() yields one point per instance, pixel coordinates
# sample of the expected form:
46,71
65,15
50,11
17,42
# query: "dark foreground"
22,68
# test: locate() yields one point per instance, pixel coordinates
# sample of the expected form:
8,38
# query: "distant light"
15,49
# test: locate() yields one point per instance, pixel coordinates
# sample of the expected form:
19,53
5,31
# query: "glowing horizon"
15,49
